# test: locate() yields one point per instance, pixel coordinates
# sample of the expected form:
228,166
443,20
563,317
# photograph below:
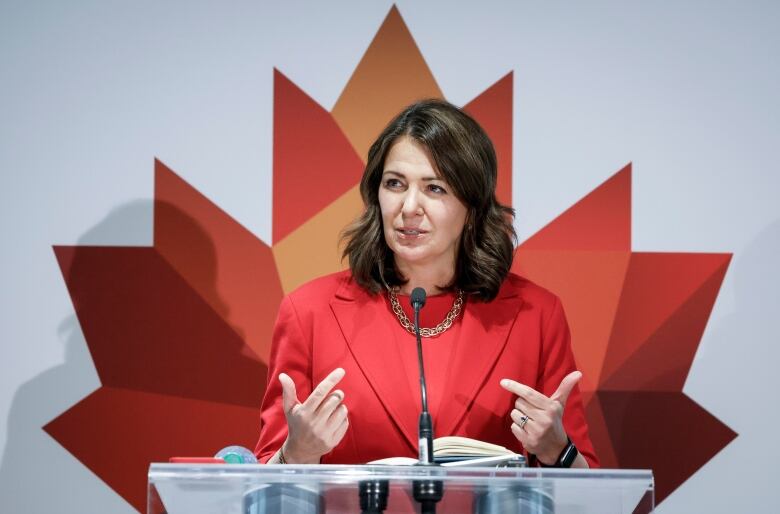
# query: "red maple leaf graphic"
180,332
636,320
175,332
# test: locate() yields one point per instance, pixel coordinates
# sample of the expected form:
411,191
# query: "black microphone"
425,426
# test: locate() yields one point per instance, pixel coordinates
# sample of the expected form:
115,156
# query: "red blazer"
332,322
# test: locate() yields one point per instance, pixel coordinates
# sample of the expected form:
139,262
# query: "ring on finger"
523,420
336,395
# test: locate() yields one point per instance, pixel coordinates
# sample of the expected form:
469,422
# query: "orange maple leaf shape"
180,332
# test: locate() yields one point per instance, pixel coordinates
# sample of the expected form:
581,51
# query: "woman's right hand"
317,425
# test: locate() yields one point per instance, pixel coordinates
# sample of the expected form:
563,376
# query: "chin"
411,255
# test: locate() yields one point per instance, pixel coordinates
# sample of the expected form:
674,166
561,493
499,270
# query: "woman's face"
421,216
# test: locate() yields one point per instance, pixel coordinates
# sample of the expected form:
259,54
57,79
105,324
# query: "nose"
411,206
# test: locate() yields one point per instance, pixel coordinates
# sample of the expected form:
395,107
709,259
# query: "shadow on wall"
37,475
739,370
749,338
152,341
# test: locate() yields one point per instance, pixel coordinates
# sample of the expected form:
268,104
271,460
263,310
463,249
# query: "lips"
411,232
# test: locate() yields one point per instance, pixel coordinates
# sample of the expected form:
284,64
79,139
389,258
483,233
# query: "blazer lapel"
484,332
371,337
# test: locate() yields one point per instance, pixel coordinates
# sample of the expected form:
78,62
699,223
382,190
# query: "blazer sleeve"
291,354
557,362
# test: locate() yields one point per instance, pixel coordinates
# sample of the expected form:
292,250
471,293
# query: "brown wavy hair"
466,160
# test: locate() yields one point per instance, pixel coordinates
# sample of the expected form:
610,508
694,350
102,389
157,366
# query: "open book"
459,451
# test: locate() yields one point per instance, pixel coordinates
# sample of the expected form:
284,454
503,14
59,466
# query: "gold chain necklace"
457,305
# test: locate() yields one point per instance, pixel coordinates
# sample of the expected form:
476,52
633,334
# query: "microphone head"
418,298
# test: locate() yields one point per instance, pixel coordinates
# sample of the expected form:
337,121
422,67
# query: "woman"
343,382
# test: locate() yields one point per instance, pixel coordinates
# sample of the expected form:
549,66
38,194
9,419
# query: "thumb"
567,384
289,396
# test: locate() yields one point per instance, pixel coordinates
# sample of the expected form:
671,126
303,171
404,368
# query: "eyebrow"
401,175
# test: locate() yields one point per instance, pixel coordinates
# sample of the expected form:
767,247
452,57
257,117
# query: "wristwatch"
565,459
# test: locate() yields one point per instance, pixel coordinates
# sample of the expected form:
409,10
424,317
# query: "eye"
433,188
393,183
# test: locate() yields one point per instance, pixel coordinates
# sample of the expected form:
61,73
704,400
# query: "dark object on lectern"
515,499
428,493
373,496
283,499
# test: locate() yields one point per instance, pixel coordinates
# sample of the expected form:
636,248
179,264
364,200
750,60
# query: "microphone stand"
373,496
425,423
426,492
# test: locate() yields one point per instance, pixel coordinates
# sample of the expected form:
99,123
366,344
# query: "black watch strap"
565,459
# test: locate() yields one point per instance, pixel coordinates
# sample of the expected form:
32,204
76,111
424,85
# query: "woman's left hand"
537,421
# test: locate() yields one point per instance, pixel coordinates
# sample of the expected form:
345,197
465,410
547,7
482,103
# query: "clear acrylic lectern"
314,489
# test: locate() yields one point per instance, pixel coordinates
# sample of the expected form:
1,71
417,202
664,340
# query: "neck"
430,278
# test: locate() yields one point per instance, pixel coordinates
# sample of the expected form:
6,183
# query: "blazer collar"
483,335
370,331
372,337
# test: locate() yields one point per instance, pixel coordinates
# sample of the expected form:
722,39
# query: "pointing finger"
323,388
529,394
